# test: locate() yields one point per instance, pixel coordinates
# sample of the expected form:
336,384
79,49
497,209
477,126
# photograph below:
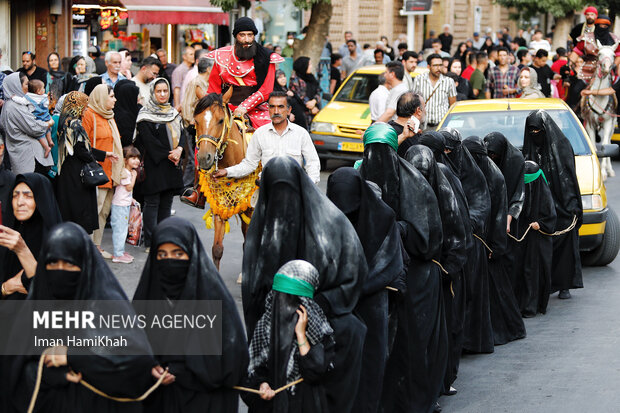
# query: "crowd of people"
433,245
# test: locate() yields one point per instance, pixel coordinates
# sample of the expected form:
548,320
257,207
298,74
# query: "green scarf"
532,177
293,286
381,133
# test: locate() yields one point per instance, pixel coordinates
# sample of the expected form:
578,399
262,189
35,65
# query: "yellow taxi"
599,235
338,128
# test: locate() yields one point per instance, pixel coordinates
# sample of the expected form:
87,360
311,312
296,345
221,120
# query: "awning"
177,12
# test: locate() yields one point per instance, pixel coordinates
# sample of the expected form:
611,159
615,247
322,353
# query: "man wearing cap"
582,28
587,47
249,68
478,41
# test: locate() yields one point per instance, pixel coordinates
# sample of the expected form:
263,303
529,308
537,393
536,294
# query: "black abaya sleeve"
316,362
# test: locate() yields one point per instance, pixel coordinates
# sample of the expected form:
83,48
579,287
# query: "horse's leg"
609,130
218,240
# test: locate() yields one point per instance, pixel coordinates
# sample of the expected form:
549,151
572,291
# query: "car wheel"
606,252
323,163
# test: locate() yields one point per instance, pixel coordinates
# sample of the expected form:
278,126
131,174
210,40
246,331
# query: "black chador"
376,227
294,220
417,362
453,252
505,315
545,144
116,375
477,329
533,255
202,382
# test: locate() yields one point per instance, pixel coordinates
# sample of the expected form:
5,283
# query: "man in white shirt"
539,43
149,70
377,101
394,75
278,138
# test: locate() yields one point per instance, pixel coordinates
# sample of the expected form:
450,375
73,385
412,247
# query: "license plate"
351,146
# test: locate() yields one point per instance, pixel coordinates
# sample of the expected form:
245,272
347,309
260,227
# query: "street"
567,363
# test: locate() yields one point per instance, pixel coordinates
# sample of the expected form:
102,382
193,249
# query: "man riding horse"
587,47
249,69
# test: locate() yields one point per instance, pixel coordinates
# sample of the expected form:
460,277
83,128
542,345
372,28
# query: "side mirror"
607,151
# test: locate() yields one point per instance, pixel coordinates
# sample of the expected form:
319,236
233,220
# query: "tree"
318,27
563,12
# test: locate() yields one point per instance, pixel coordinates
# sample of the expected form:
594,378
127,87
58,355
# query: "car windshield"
511,123
358,88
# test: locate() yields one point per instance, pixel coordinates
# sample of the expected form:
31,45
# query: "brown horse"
219,141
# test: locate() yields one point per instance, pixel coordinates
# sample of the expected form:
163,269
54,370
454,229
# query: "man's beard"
245,53
590,22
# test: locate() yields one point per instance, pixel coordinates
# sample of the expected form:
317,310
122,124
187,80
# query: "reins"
220,143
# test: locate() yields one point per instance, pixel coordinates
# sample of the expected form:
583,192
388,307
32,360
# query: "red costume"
241,75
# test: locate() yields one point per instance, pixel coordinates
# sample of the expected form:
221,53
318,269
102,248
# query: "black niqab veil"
550,149
533,256
505,315
417,362
126,109
376,227
117,375
202,382
294,220
511,162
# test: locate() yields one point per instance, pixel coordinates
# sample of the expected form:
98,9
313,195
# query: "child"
532,269
121,202
37,97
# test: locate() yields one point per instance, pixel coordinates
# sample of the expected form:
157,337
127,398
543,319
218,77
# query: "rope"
554,234
440,266
484,243
249,390
89,386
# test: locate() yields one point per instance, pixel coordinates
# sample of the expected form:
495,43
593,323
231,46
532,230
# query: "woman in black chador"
292,340
545,144
294,220
178,268
477,329
71,268
417,361
511,163
505,315
453,252
376,227
533,255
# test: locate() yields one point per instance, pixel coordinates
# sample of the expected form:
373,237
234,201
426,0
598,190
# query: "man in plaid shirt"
502,81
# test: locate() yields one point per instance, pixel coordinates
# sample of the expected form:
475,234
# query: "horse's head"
606,55
211,115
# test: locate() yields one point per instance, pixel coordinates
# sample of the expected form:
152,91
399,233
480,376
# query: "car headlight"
592,202
322,127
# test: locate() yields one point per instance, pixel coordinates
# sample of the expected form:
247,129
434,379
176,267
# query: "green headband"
285,284
532,177
381,133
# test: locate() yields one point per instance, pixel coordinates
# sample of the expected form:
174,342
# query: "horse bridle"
219,143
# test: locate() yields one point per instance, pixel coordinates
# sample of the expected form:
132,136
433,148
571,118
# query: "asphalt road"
569,361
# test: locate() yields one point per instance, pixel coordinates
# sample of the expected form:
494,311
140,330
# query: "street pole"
410,31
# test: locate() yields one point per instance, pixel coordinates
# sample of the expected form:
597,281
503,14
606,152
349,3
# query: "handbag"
92,173
134,227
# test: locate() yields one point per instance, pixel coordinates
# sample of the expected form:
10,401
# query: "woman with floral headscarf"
77,203
160,137
292,340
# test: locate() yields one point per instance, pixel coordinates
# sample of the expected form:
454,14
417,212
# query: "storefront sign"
78,18
417,6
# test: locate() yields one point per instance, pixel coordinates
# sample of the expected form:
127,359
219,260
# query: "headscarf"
292,220
155,112
550,149
12,89
379,132
533,89
374,222
55,73
92,83
280,309
97,102
32,231
511,162
70,129
276,86
454,252
472,180
126,109
200,281
436,142
300,66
